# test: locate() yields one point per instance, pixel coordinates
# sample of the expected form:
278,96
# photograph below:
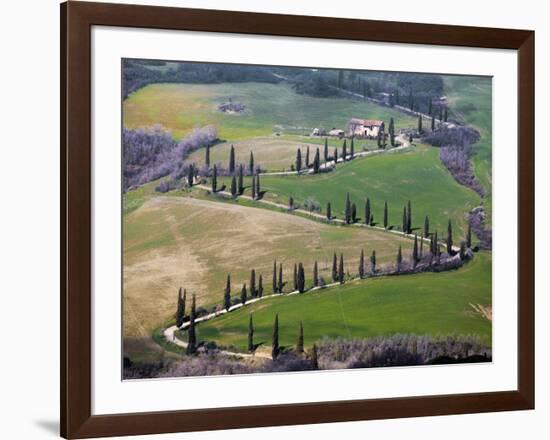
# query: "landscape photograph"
281,219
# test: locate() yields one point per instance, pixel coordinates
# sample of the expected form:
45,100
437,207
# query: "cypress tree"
290,203
234,186
295,277
227,294
215,179
362,264
274,283
348,210
232,160
315,275
420,124
190,175
334,267
469,236
404,225
409,218
253,283
379,139
301,278
191,333
260,286
240,185
251,163
415,251
250,334
449,238
399,258
391,131
180,310
280,284
244,295
410,138
325,153
445,115
344,151
253,188
433,122
275,338
438,254
207,156
373,262
426,227
314,360
353,213
298,160
352,149
316,162
386,214
307,156
300,342
329,211
435,244
335,156
421,250
462,250
341,269
367,211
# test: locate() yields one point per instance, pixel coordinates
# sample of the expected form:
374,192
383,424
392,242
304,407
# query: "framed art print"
297,219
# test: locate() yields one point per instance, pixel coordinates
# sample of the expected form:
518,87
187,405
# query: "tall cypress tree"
314,359
420,130
295,277
299,159
399,258
290,203
274,285
373,262
191,332
348,210
260,286
190,175
300,342
334,267
253,188
362,264
275,338
415,251
316,162
253,283
335,156
462,250
404,224
315,274
240,184
251,163
426,227
234,186
329,211
386,214
180,310
341,269
244,295
227,294
433,122
469,236
301,278
325,153
280,284
391,131
353,213
449,238
232,160
250,335
307,157
207,156
367,211
352,149
344,151
215,179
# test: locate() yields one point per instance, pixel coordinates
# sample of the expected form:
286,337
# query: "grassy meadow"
437,304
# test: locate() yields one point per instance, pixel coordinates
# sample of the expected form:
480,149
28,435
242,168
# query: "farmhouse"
336,132
364,127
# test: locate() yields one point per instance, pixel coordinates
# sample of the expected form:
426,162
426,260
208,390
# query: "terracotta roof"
367,122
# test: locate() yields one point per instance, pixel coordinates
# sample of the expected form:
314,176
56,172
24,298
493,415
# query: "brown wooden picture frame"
77,19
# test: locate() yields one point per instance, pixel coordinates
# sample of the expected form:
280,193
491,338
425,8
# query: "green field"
417,175
178,240
424,304
270,108
471,103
